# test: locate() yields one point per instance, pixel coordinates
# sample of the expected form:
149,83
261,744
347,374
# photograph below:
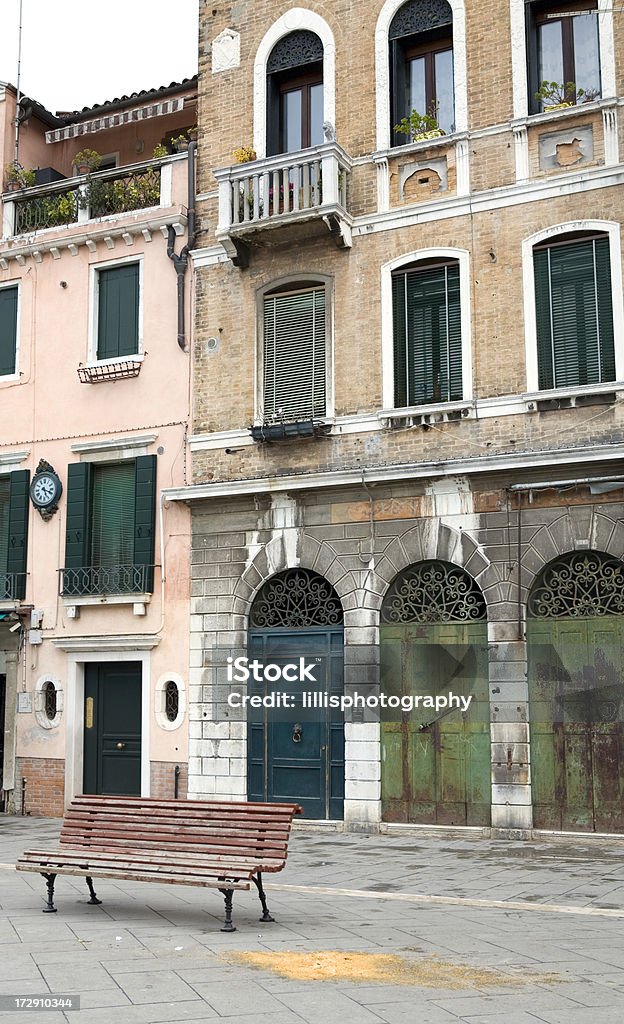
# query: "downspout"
180,262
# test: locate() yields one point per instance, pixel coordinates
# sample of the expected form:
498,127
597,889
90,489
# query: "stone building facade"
408,398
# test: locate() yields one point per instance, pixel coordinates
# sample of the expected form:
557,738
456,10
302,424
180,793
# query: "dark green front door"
112,729
295,757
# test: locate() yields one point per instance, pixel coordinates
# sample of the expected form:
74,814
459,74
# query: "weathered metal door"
436,765
290,756
112,729
577,723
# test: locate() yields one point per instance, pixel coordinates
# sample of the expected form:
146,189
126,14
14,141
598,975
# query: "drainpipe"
180,261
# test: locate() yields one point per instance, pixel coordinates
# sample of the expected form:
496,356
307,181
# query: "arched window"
296,599
574,310
580,584
49,700
295,93
426,311
421,64
172,700
563,47
433,591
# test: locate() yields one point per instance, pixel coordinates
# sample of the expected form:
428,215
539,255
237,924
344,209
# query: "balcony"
80,200
12,586
100,581
298,195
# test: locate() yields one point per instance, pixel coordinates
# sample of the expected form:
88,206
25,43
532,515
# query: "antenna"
17,84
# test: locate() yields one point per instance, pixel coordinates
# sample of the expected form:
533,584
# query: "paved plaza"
522,932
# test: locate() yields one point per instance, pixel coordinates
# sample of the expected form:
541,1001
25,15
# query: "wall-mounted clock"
45,490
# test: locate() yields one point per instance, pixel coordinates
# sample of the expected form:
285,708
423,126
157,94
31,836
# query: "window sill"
74,604
422,144
547,116
425,415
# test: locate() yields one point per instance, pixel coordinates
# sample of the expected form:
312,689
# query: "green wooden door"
576,699
112,729
436,766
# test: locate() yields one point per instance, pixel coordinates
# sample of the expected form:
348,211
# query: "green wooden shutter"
5,495
145,516
17,547
574,314
427,339
8,330
294,355
78,515
112,515
118,311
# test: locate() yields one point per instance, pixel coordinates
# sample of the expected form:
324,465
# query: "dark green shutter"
8,330
5,496
574,314
294,355
145,516
78,502
427,336
18,530
118,311
112,515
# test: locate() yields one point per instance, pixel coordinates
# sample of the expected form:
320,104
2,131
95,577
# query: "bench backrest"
223,829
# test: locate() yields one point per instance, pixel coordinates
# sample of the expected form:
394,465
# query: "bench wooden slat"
75,855
142,876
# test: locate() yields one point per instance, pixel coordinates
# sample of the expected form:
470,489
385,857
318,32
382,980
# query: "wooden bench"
219,844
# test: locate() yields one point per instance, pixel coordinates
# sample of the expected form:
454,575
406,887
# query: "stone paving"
155,953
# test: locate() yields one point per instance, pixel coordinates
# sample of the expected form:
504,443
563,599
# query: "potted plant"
192,133
558,95
419,126
180,143
159,151
17,177
87,161
244,155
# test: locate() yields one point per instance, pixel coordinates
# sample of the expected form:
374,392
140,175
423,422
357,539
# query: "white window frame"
606,227
294,20
382,69
294,281
387,328
42,719
519,54
8,378
94,291
160,701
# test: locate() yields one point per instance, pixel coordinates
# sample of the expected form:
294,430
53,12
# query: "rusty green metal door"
576,697
436,766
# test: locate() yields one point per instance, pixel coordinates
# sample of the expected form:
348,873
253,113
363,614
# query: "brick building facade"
408,382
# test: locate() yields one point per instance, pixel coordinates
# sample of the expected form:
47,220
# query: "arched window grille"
579,585
49,700
433,591
296,599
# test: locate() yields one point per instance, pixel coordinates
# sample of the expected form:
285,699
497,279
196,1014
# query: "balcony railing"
99,581
78,200
12,586
311,184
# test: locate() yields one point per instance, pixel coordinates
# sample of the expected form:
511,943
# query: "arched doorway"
575,632
435,764
291,757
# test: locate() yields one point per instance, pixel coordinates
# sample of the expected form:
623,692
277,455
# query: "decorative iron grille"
420,16
56,209
579,585
295,599
172,701
109,371
133,191
49,700
295,49
97,580
433,592
12,586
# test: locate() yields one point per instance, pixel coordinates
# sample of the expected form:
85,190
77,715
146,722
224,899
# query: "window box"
118,370
289,431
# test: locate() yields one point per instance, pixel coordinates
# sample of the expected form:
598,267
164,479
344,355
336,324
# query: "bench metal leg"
94,898
228,926
257,880
50,879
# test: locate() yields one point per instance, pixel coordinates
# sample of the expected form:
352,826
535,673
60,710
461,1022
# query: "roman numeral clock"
45,490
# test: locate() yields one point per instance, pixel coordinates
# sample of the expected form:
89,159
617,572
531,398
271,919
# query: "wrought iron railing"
264,191
92,580
12,586
129,191
50,210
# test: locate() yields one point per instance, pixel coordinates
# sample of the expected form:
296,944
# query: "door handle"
297,735
120,745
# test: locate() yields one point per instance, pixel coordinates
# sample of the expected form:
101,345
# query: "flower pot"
557,106
13,186
435,133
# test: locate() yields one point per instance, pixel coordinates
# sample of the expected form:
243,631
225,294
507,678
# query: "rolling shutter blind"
112,518
5,490
145,516
427,336
77,525
574,314
8,330
17,530
118,311
294,356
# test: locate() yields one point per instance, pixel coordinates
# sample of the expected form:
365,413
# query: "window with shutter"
427,335
8,330
421,62
574,313
294,355
118,311
14,508
112,516
4,526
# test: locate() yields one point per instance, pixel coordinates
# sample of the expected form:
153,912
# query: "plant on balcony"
419,126
17,177
132,192
159,151
87,161
60,210
180,143
244,155
557,95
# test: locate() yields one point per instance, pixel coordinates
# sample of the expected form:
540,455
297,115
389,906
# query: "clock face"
45,490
